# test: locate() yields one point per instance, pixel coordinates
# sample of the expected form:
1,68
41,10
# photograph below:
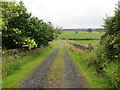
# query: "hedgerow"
105,59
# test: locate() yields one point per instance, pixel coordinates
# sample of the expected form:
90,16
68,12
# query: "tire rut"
37,78
72,77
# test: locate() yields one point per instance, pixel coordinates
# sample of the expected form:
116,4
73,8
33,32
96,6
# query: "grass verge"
56,75
15,79
91,76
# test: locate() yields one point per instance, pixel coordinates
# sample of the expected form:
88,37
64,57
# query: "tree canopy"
21,29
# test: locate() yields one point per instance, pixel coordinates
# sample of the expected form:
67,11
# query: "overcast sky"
72,13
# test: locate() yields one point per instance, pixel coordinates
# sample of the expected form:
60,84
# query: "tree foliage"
105,59
109,55
89,30
21,29
112,36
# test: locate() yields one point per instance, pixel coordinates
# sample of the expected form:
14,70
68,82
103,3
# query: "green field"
80,35
85,41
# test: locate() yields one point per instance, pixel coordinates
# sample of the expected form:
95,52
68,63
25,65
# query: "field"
80,35
86,41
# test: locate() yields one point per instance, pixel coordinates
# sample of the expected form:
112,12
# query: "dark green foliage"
20,29
76,32
105,59
112,48
112,36
89,30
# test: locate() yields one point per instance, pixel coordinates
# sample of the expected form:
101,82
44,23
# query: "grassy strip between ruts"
14,80
92,78
56,75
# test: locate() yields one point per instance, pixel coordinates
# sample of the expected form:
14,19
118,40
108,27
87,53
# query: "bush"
105,59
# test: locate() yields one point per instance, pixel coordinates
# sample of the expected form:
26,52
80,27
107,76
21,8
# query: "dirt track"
37,78
72,79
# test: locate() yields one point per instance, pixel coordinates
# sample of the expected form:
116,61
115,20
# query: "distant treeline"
93,29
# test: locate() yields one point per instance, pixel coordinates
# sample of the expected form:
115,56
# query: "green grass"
56,75
85,41
91,76
15,79
80,35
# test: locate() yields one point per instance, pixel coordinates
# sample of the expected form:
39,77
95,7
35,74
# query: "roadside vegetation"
80,58
101,66
16,70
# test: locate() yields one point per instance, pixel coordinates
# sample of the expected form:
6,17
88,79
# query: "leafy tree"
14,17
111,48
89,30
20,29
112,36
76,32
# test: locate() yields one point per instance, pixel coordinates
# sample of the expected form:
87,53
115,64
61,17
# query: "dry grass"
75,49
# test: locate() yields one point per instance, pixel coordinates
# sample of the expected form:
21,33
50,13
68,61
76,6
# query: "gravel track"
37,78
72,77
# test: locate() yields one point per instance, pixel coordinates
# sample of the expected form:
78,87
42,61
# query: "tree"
76,32
89,30
111,38
20,29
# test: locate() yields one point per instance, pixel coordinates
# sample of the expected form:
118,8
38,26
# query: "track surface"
73,78
39,76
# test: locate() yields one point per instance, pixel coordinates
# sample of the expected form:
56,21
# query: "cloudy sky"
72,13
